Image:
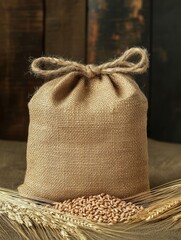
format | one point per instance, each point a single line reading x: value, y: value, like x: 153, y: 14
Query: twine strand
x: 55, y: 67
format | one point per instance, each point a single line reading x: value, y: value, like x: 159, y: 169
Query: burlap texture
x: 87, y: 134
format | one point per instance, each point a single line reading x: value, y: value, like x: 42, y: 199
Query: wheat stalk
x: 39, y: 220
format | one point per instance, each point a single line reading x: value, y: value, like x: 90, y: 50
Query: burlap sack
x: 87, y: 131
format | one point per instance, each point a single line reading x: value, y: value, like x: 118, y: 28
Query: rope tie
x: 126, y: 64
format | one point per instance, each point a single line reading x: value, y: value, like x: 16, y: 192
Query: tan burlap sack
x: 87, y: 132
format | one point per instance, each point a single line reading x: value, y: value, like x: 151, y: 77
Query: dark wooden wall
x: 114, y: 26
x: 65, y: 28
x: 21, y: 36
x: 165, y: 87
x: 90, y: 31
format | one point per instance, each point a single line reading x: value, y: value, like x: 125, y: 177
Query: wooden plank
x: 12, y: 164
x: 165, y: 107
x: 164, y: 162
x: 65, y: 28
x: 114, y: 26
x: 21, y: 25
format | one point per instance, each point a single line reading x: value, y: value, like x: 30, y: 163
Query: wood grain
x: 165, y: 113
x: 21, y: 26
x: 114, y: 26
x: 65, y: 28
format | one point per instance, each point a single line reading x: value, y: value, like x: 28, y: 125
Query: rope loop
x: 133, y: 61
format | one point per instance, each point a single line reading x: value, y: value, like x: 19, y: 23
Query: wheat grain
x: 101, y: 208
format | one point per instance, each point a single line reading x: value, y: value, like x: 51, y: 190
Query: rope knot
x: 91, y: 71
x: 133, y: 61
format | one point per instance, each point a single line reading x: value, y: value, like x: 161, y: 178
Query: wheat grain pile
x: 101, y: 208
